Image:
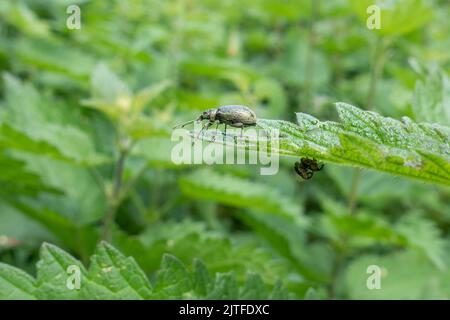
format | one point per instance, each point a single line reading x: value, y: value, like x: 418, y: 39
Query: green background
x: 75, y: 103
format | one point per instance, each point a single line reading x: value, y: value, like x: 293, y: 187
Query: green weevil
x: 237, y: 116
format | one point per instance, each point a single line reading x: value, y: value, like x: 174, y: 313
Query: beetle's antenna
x: 182, y: 125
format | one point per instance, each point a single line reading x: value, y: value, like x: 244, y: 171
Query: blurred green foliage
x: 85, y: 123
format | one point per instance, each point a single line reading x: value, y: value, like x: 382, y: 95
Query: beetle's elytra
x: 231, y: 115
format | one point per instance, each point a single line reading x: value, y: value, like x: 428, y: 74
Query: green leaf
x: 11, y: 138
x: 121, y: 276
x: 52, y: 275
x: 26, y: 20
x: 361, y: 230
x: 15, y: 284
x: 55, y: 55
x: 397, y: 17
x: 225, y: 287
x: 190, y: 241
x: 312, y: 294
x: 432, y: 98
x: 202, y: 278
x: 423, y: 234
x: 173, y: 279
x: 17, y: 179
x: 67, y: 231
x: 404, y: 275
x: 294, y: 58
x: 115, y: 99
x: 157, y: 152
x: 289, y: 240
x: 206, y: 184
x: 254, y: 288
x: 111, y: 276
x: 148, y: 94
x: 29, y: 123
x: 107, y: 86
x: 367, y: 140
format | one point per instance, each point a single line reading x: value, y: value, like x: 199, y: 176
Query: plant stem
x: 309, y: 59
x: 114, y: 199
x: 376, y: 71
x: 337, y: 266
x: 354, y: 190
x: 375, y: 74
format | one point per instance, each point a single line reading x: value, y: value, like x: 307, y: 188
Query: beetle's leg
x: 217, y: 128
x: 305, y: 162
x: 302, y: 161
x: 309, y: 175
x: 214, y: 136
x: 297, y: 168
x: 205, y: 127
x: 225, y: 132
x: 240, y: 125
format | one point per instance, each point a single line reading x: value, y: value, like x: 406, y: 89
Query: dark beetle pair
x: 306, y: 167
x: 240, y: 117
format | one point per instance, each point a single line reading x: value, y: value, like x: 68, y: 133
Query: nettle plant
x: 69, y: 172
x: 111, y: 275
x: 368, y: 140
x: 361, y: 139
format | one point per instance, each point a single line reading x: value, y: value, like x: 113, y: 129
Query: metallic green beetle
x: 232, y: 115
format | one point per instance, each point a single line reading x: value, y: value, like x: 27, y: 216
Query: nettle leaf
x: 107, y: 86
x: 404, y: 275
x: 16, y: 179
x: 54, y: 55
x: 254, y: 288
x: 111, y: 275
x: 225, y: 287
x: 173, y: 279
x: 289, y: 240
x: 395, y: 16
x: 157, y: 152
x: 115, y: 275
x: 367, y: 140
x: 190, y: 241
x: 116, y: 100
x: 206, y: 184
x: 52, y: 275
x: 431, y: 101
x: 361, y: 230
x: 28, y: 124
x: 202, y: 278
x: 15, y: 284
x: 424, y: 235
x: 148, y: 94
x: 64, y: 229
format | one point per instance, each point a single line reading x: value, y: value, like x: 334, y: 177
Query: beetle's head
x: 209, y: 114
